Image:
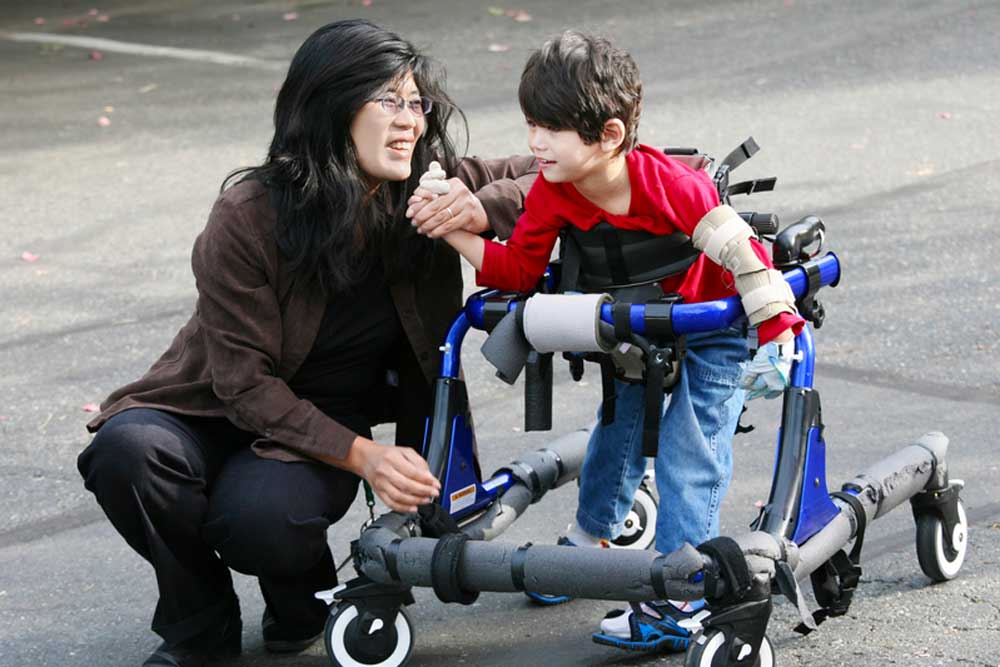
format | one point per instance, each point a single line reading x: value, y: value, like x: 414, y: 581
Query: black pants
x: 190, y: 496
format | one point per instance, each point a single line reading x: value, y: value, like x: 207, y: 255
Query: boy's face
x: 562, y: 155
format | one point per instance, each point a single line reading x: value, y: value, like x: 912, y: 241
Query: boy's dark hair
x: 579, y: 82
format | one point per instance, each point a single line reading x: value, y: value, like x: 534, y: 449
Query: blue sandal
x: 652, y: 627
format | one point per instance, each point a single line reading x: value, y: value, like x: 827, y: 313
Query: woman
x: 320, y: 308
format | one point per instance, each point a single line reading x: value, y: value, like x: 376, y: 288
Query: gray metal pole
x: 623, y: 574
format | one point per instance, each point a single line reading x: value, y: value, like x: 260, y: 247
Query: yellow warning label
x: 463, y: 498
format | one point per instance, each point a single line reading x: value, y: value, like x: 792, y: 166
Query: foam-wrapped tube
x: 565, y: 322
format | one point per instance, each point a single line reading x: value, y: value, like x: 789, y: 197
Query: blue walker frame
x: 796, y: 508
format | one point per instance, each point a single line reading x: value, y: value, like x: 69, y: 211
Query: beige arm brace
x: 725, y: 237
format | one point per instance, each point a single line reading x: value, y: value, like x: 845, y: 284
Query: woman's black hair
x: 331, y: 227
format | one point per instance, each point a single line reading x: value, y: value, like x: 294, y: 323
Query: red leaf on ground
x: 91, y: 407
x: 4, y: 418
x: 93, y: 12
x: 366, y: 3
x: 103, y: 18
x: 290, y: 16
x: 29, y: 256
x: 521, y: 16
x: 39, y: 21
x: 104, y: 121
x: 944, y: 115
x: 96, y: 55
x: 498, y: 48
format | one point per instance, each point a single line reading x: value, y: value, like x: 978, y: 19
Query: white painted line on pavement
x: 114, y: 46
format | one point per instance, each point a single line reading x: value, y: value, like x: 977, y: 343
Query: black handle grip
x: 538, y: 392
x: 790, y: 244
x: 765, y: 224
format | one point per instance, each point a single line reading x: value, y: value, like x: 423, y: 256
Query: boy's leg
x: 694, y: 463
x: 613, y: 467
x: 693, y: 470
x: 612, y: 470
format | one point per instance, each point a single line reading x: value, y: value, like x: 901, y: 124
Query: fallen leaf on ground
x: 96, y: 55
x: 495, y: 11
x: 498, y: 48
x: 109, y: 109
x: 104, y: 121
x: 366, y: 3
x: 93, y: 12
x: 148, y: 88
x: 521, y: 16
x: 29, y: 256
x: 39, y: 20
x: 944, y: 115
x: 4, y: 418
x: 91, y: 407
x: 290, y: 16
x: 103, y: 18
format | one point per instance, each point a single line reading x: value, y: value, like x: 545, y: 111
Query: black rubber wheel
x: 707, y: 649
x: 938, y: 560
x: 348, y: 644
x: 640, y: 524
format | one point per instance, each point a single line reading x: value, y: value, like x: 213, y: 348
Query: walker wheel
x: 707, y: 649
x: 640, y: 524
x: 357, y: 638
x: 939, y: 560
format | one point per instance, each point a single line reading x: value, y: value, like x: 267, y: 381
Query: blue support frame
x: 799, y: 505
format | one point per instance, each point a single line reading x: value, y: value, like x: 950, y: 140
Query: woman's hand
x: 435, y: 215
x: 399, y: 475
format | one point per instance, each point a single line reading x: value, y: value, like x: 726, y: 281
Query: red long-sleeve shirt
x: 667, y: 196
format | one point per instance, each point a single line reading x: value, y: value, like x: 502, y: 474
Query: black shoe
x: 223, y: 642
x: 286, y: 638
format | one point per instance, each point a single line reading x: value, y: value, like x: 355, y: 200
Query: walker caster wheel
x: 708, y: 649
x: 356, y: 637
x: 939, y: 559
x: 640, y: 524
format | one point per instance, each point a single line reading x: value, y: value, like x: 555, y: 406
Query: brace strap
x: 444, y: 569
x: 729, y: 581
x: 835, y: 581
x: 719, y: 233
x: 762, y: 303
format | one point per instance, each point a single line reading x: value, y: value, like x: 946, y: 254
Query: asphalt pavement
x: 882, y: 118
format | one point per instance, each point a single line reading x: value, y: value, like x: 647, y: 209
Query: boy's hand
x: 768, y: 373
x: 440, y: 206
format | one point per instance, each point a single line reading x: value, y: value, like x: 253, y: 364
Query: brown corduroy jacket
x: 255, y: 322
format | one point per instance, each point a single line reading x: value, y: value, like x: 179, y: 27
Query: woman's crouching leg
x: 149, y: 470
x: 269, y: 519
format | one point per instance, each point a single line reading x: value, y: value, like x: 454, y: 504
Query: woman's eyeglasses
x: 393, y: 104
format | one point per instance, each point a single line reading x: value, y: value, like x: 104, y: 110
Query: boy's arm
x: 468, y: 245
x: 726, y: 239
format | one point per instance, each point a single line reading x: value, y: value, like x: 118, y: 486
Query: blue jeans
x: 694, y: 463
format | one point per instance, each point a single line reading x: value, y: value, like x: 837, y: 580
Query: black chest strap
x: 605, y: 257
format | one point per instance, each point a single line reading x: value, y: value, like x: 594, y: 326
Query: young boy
x: 582, y: 100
